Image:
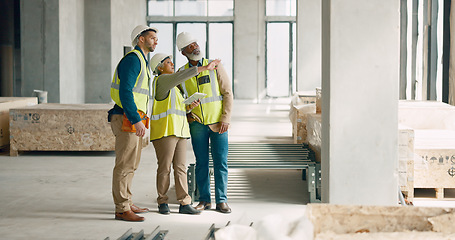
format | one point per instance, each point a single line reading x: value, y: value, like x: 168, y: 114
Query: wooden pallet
x: 435, y: 193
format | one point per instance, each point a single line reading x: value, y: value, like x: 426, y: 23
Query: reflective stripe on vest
x: 168, y: 117
x: 141, y: 87
x: 211, y: 107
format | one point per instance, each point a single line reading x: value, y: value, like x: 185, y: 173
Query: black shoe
x: 188, y: 209
x: 163, y: 208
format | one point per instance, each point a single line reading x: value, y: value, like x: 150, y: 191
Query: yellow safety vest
x: 168, y: 116
x: 211, y: 107
x: 141, y: 88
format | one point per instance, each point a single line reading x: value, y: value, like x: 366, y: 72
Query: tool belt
x: 128, y: 127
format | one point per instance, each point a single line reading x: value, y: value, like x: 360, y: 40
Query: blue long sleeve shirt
x: 128, y: 70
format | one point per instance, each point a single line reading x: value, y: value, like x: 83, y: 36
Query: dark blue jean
x: 201, y: 137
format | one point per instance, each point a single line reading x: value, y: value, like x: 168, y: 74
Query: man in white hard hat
x: 128, y: 117
x: 209, y: 123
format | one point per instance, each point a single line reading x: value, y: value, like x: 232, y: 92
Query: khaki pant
x: 171, y: 151
x: 128, y: 149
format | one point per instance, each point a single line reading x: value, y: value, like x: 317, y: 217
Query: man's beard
x: 195, y: 55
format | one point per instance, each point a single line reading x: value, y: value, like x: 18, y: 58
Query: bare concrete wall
x: 108, y: 25
x: 129, y: 14
x: 249, y: 49
x: 71, y: 48
x: 98, y: 70
x: 72, y: 51
x: 40, y: 47
x: 6, y: 47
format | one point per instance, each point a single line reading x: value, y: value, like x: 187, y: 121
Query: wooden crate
x: 62, y: 127
x: 306, y: 98
x: 426, y: 114
x: 314, y: 128
x: 434, y: 160
x: 298, y: 116
x: 303, y: 97
x: 406, y: 161
x: 6, y: 103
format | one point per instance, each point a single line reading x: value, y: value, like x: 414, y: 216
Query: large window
x: 281, y: 7
x: 198, y: 30
x: 190, y: 8
x: 280, y: 50
x: 209, y: 21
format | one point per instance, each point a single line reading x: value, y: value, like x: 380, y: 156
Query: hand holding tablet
x: 194, y: 97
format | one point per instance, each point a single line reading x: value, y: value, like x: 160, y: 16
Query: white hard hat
x: 138, y: 30
x: 156, y: 60
x: 184, y: 39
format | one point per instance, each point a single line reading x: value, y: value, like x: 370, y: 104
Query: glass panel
x: 198, y: 30
x: 278, y: 59
x: 160, y: 8
x: 221, y: 7
x: 190, y: 7
x: 165, y: 43
x: 220, y: 44
x: 281, y: 7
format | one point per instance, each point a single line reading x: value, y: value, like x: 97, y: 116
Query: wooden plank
x: 439, y: 193
x: 349, y: 219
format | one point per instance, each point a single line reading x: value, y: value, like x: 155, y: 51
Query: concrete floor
x: 66, y: 195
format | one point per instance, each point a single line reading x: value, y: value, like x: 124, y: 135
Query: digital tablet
x: 194, y: 97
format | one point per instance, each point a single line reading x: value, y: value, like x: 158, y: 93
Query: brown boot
x: 223, y: 207
x: 129, y: 216
x: 137, y: 209
x: 203, y: 206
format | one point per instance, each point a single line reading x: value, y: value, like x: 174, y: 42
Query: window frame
x: 292, y: 21
x: 195, y: 19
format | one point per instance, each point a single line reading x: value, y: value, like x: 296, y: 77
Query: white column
x: 308, y: 45
x: 249, y: 49
x: 360, y: 79
x: 71, y: 55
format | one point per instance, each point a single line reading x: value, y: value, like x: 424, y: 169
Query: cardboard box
x: 62, y: 127
x: 6, y: 103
